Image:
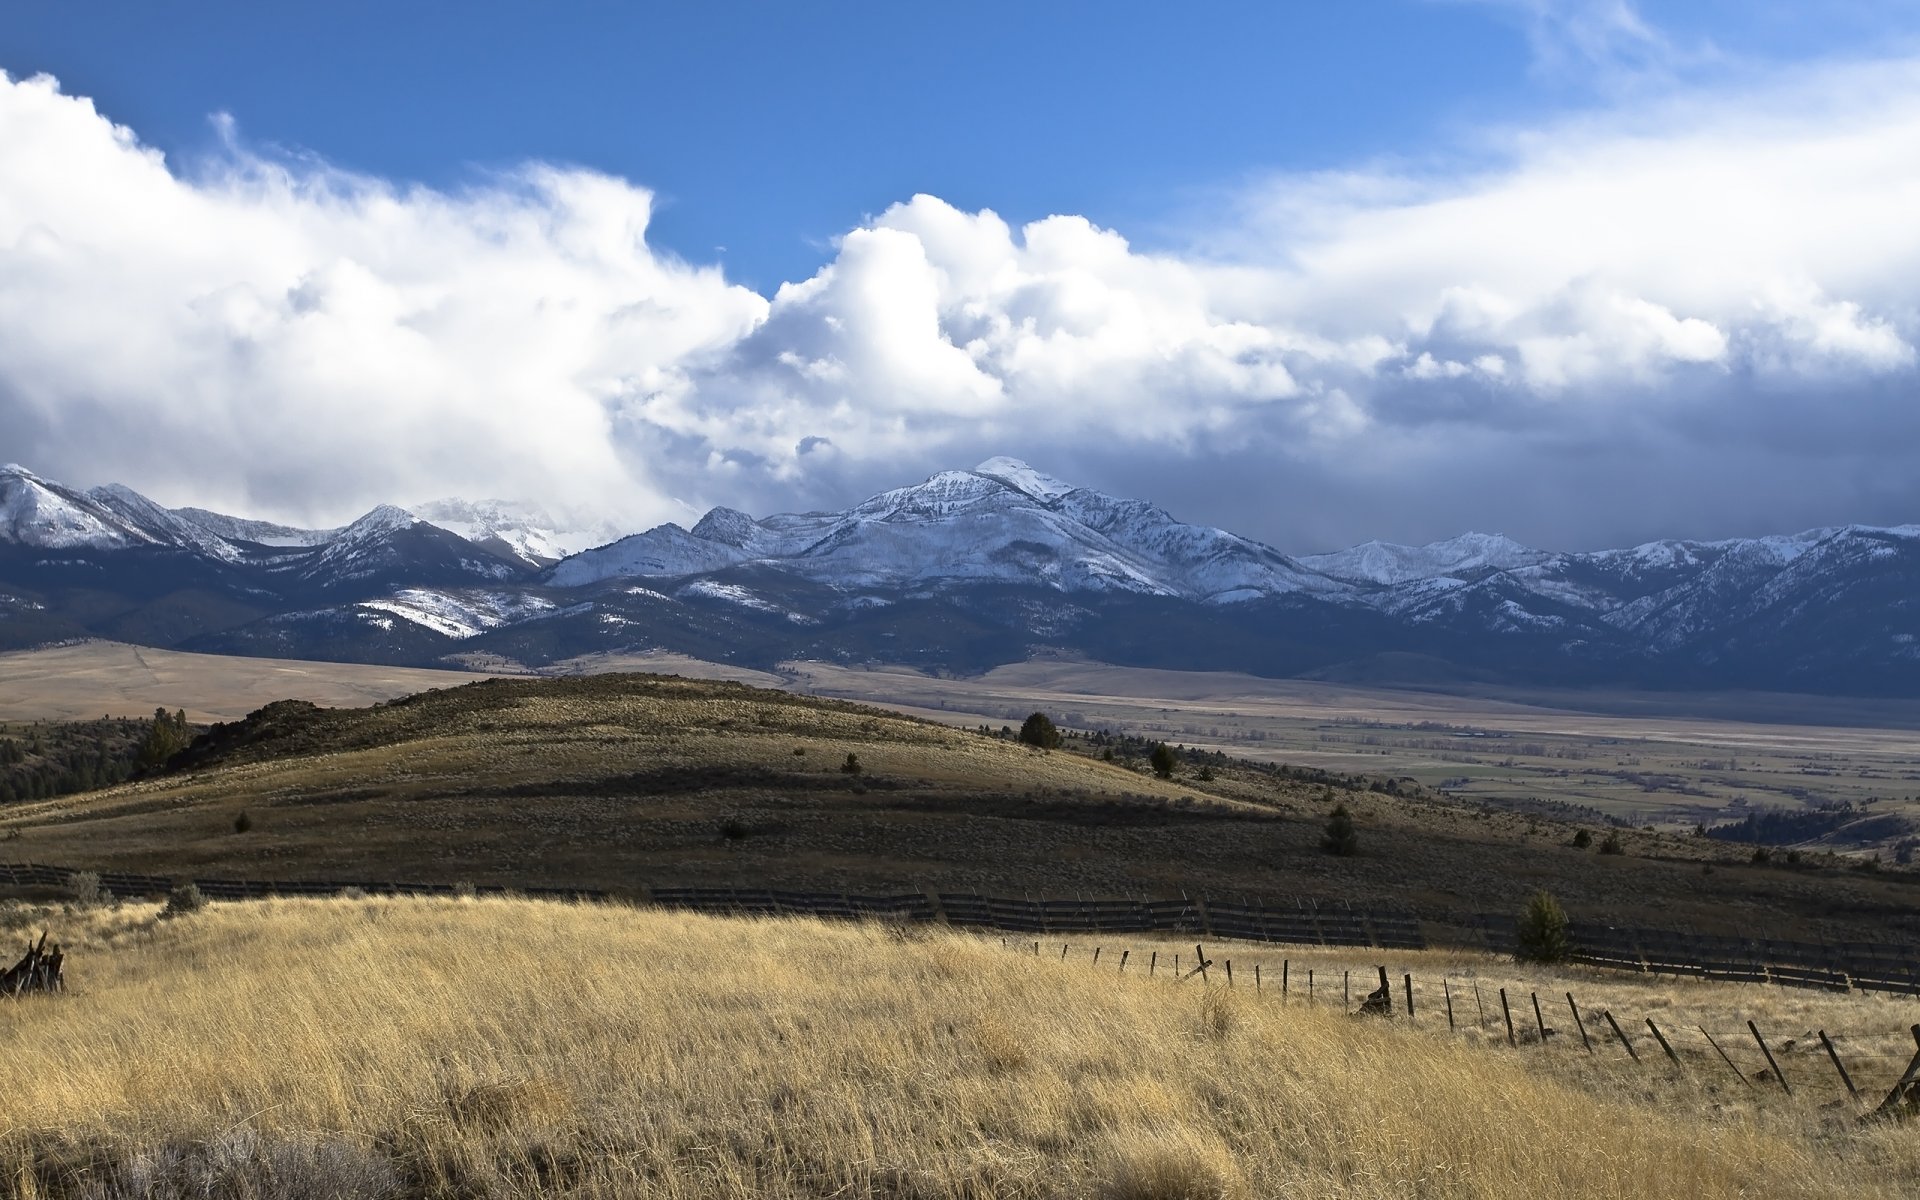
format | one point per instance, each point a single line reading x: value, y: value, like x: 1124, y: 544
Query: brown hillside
x: 637, y: 781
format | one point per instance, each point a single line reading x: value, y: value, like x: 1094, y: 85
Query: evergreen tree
x: 167, y: 737
x: 1163, y: 760
x: 1542, y: 933
x: 1340, y: 837
x: 1039, y: 730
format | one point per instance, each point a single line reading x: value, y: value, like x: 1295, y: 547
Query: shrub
x: 1542, y: 933
x: 733, y: 829
x: 1039, y: 730
x: 1582, y: 839
x: 1340, y: 837
x: 1205, y: 775
x: 1613, y: 844
x: 852, y: 765
x: 1163, y: 760
x: 464, y: 889
x: 83, y: 887
x: 1762, y: 856
x: 183, y: 899
x: 243, y: 822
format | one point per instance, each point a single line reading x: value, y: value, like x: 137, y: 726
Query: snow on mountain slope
x: 1002, y: 523
x: 260, y: 533
x: 38, y: 512
x: 391, y: 543
x: 523, y: 530
x: 1389, y: 564
x: 163, y: 524
x: 1016, y: 474
x: 461, y: 614
x: 663, y: 550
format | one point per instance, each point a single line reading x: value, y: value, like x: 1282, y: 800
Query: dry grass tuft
x: 1162, y: 1163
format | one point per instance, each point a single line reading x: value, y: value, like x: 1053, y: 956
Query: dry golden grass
x: 1872, y: 1032
x: 494, y: 1047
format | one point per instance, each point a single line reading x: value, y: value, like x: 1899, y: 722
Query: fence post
x: 1063, y: 952
x: 1662, y: 1039
x: 1579, y: 1024
x: 1036, y: 949
x: 1285, y: 983
x: 1229, y: 972
x: 1409, y: 983
x: 1620, y: 1033
x: 1096, y: 956
x: 1839, y: 1066
x: 1479, y: 1003
x: 1124, y: 955
x: 1738, y: 1074
x: 1784, y: 1086
x: 1448, y: 993
x: 1904, y: 1088
x: 1200, y: 961
x: 1256, y: 977
x: 1309, y: 985
x: 1346, y: 992
x: 1539, y: 1022
x: 1508, y: 1013
x: 1153, y: 964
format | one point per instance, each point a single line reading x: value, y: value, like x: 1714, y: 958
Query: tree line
x: 44, y: 759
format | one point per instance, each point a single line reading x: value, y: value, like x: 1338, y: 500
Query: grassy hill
x: 496, y: 1047
x: 636, y: 781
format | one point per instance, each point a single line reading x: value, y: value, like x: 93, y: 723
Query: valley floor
x: 502, y: 1047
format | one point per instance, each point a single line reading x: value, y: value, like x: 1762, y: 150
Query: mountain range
x: 961, y: 572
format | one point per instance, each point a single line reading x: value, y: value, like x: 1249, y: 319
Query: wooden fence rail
x: 1836, y: 966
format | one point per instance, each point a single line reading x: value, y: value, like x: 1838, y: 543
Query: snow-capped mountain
x: 1387, y: 563
x: 963, y: 570
x: 260, y: 533
x: 36, y: 512
x: 525, y: 531
x: 1002, y: 522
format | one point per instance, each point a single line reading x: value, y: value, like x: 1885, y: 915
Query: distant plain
x: 1671, y: 760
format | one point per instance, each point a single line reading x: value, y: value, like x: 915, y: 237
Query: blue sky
x: 1378, y: 244
x: 770, y: 128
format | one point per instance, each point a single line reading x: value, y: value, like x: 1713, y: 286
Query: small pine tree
x: 1163, y: 760
x: 852, y: 765
x: 1039, y: 730
x: 1542, y: 933
x: 243, y: 822
x: 1613, y: 844
x: 1340, y: 837
x: 1582, y: 839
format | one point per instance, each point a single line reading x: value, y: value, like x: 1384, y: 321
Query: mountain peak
x: 381, y: 519
x: 1021, y: 477
x: 728, y: 526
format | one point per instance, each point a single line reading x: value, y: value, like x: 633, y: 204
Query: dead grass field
x: 1671, y: 760
x: 91, y: 679
x: 499, y: 1047
x: 1871, y: 1031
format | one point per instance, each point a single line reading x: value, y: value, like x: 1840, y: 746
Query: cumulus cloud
x: 1692, y: 315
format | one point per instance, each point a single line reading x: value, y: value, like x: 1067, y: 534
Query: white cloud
x: 291, y: 339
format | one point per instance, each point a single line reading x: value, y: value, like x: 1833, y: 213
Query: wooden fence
x: 1833, y: 966
x: 1838, y: 966
x: 1877, y: 1072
